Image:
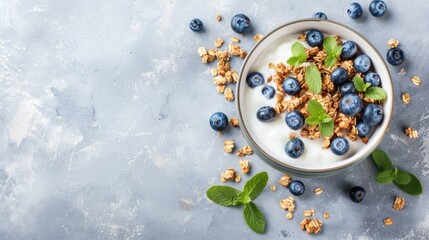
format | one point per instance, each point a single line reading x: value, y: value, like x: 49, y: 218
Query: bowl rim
x: 270, y: 160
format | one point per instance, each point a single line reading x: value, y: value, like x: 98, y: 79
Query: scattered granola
x: 235, y: 39
x: 218, y: 17
x: 273, y: 188
x: 235, y: 50
x: 318, y: 191
x: 219, y: 42
x: 309, y: 213
x: 406, y: 98
x: 228, y: 94
x: 302, y: 37
x: 288, y: 204
x: 292, y: 135
x: 233, y: 122
x: 257, y: 37
x: 237, y: 178
x: 402, y: 72
x: 246, y: 150
x: 326, y: 215
x: 228, y: 145
x: 416, y: 80
x: 285, y: 180
x: 228, y: 175
x: 311, y: 226
x: 388, y: 221
x: 289, y: 215
x: 245, y: 166
x: 214, y: 72
x: 220, y: 89
x: 393, y: 43
x: 399, y: 203
x: 411, y: 132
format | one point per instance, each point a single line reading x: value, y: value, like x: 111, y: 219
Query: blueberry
x: 372, y: 78
x: 347, y: 87
x: 266, y: 114
x: 395, y: 56
x: 294, y: 148
x: 268, y: 92
x: 355, y: 10
x: 339, y: 75
x: 351, y: 104
x: 296, y: 187
x: 372, y: 114
x: 240, y: 23
x: 295, y: 120
x: 314, y: 38
x: 377, y: 8
x: 218, y: 121
x: 255, y: 79
x: 196, y: 25
x: 362, y: 63
x: 357, y: 194
x: 340, y: 146
x: 291, y: 86
x: 363, y: 128
x: 349, y: 50
x: 320, y: 15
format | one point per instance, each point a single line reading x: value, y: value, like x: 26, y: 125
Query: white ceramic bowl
x: 295, y: 166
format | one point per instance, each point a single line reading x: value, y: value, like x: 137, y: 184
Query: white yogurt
x: 273, y: 136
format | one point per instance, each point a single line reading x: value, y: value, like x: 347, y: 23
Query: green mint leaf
x: 367, y: 85
x: 313, y: 79
x: 330, y: 60
x: 359, y: 84
x: 414, y: 187
x: 255, y: 185
x: 243, y: 198
x: 298, y: 49
x: 384, y: 177
x: 295, y: 61
x: 327, y: 119
x: 402, y: 177
x: 315, y: 108
x: 381, y: 160
x: 329, y: 44
x: 254, y: 218
x: 327, y: 128
x: 312, y: 120
x: 223, y: 195
x: 338, y: 50
x: 376, y: 93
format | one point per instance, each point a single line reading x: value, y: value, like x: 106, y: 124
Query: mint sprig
x: 318, y: 116
x: 374, y: 93
x: 332, y: 50
x: 405, y: 181
x: 313, y: 79
x: 299, y: 55
x: 229, y: 196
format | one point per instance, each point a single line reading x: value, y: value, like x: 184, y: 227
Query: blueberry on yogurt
x: 372, y: 78
x: 314, y: 38
x: 372, y: 114
x: 295, y: 120
x: 268, y: 92
x: 294, y: 148
x: 340, y: 146
x: 339, y: 75
x: 362, y: 63
x: 363, y: 128
x: 347, y: 87
x: 349, y: 50
x: 255, y: 79
x: 291, y: 86
x: 351, y: 104
x: 266, y: 114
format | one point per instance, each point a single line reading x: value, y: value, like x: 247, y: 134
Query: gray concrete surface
x: 104, y: 108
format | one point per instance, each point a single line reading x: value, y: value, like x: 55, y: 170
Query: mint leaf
x: 243, y: 198
x: 329, y: 44
x: 338, y: 50
x: 384, y: 177
x: 312, y: 120
x: 315, y: 108
x: 376, y: 93
x: 298, y: 49
x: 327, y: 128
x: 327, y: 119
x: 381, y: 160
x: 313, y: 79
x: 295, y: 61
x: 299, y: 55
x: 255, y: 185
x: 254, y: 218
x: 330, y: 61
x: 223, y: 195
x: 414, y: 187
x: 402, y: 177
x: 359, y: 84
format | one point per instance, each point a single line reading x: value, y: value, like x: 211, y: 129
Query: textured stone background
x: 104, y: 134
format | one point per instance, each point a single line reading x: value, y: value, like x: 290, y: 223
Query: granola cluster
x: 230, y: 175
x: 288, y: 204
x: 399, y: 203
x: 311, y: 226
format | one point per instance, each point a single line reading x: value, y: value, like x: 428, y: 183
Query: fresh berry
x: 377, y: 8
x: 372, y: 78
x: 320, y: 15
x: 349, y: 50
x: 266, y: 114
x: 372, y: 114
x: 314, y: 38
x: 347, y: 87
x: 240, y: 23
x: 294, y: 148
x: 363, y: 128
x: 196, y: 25
x: 255, y: 79
x: 339, y: 75
x: 295, y: 120
x: 395, y: 56
x: 268, y: 92
x: 362, y: 63
x: 357, y: 194
x: 340, y: 146
x: 296, y: 187
x: 291, y: 86
x: 355, y: 10
x: 218, y: 121
x: 351, y: 104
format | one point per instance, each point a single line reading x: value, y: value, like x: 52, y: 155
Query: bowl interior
x: 293, y: 29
